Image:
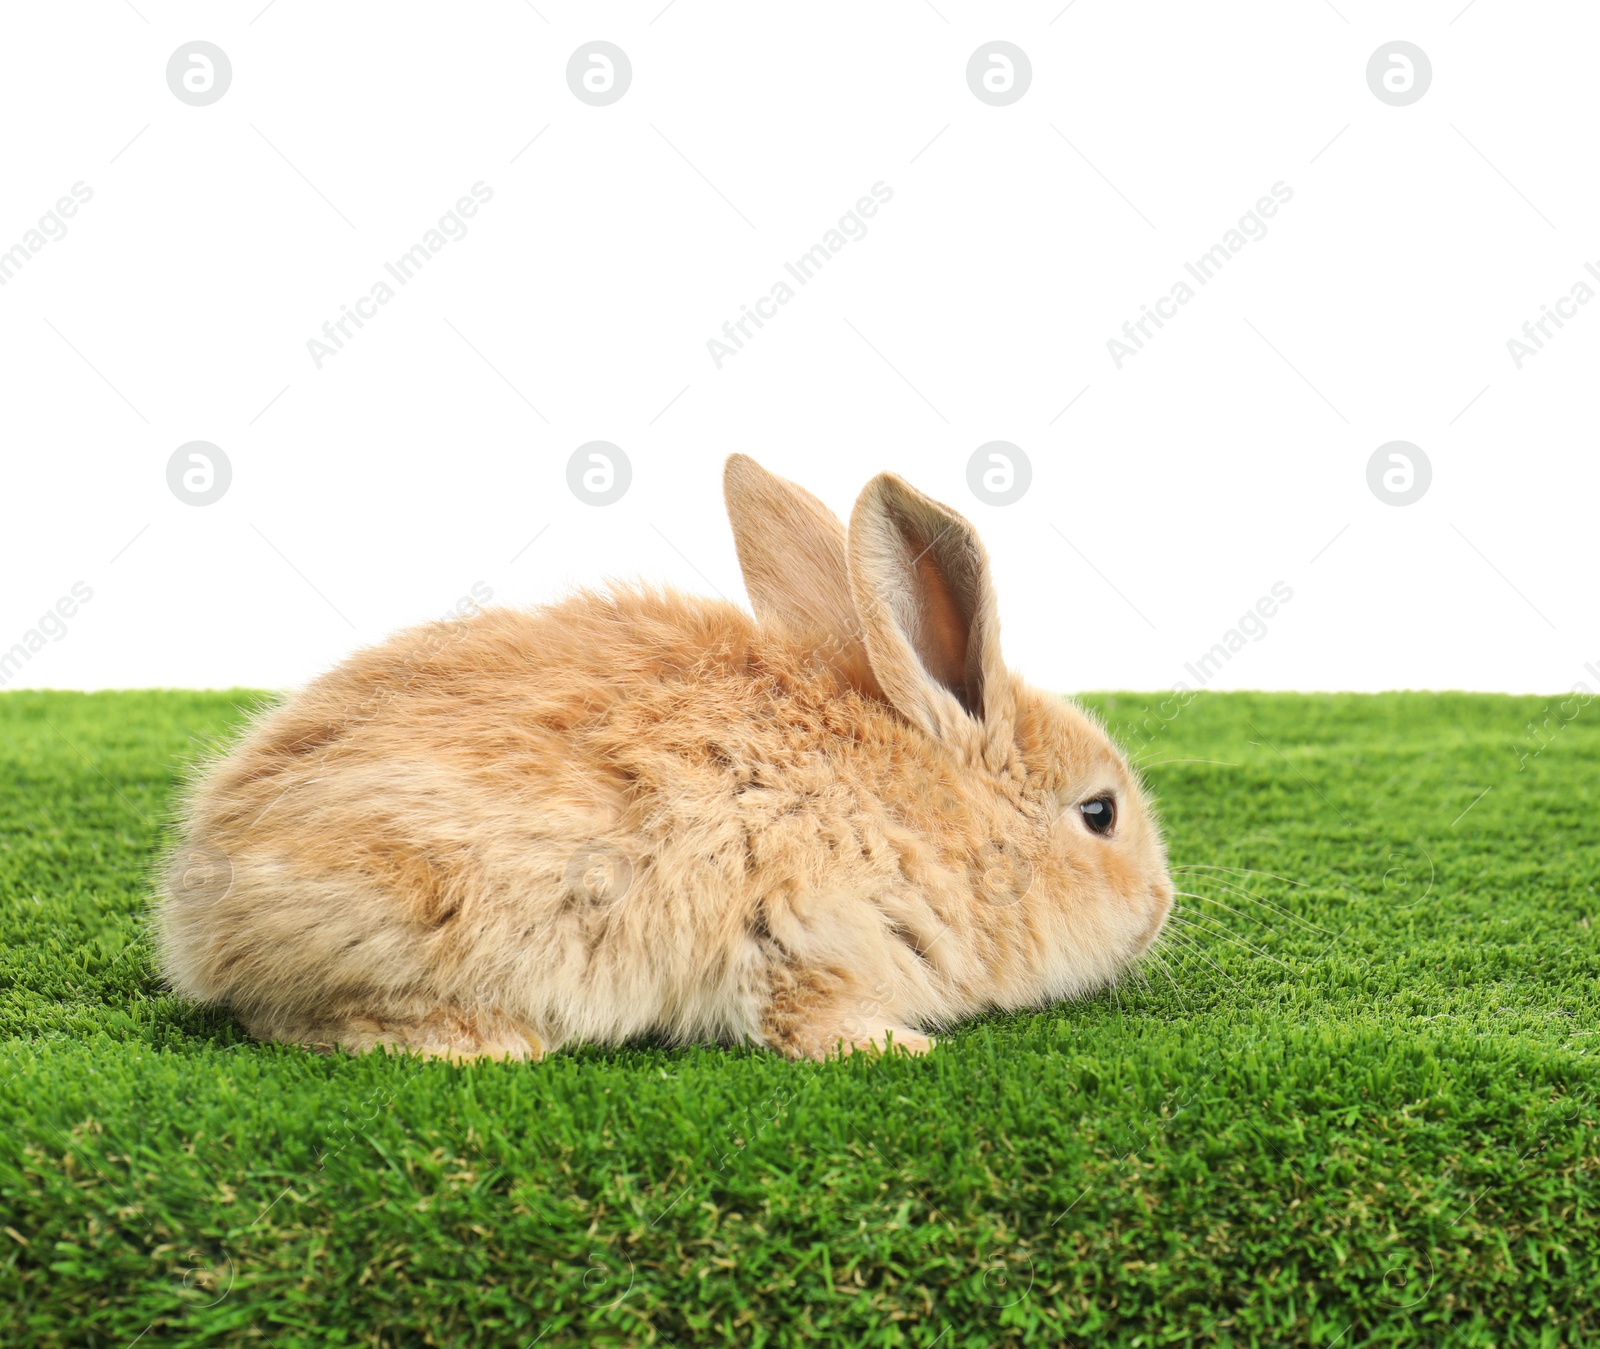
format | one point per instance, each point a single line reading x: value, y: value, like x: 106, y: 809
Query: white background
x: 1166, y: 499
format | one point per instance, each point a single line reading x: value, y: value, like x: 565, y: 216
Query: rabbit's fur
x: 641, y: 812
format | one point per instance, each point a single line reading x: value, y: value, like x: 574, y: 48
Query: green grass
x: 1365, y: 1115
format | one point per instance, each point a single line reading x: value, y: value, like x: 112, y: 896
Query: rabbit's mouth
x: 1160, y: 907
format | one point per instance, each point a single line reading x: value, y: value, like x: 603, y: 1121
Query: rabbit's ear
x: 792, y: 552
x: 920, y: 580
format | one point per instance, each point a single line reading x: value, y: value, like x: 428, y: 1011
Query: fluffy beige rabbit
x: 641, y: 812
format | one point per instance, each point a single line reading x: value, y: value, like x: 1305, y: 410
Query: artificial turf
x: 1362, y: 1109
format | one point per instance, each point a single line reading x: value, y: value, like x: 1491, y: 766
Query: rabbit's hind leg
x: 441, y: 1033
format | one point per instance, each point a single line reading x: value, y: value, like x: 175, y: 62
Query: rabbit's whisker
x: 1160, y: 962
x: 1247, y: 915
x: 1254, y: 898
x: 1248, y: 871
x: 1196, y: 919
x: 1189, y: 947
x: 1162, y: 763
x: 1237, y: 913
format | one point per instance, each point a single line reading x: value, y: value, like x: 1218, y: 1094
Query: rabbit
x: 836, y: 827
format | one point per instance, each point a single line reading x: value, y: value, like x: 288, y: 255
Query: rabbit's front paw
x: 816, y: 1014
x: 822, y: 1042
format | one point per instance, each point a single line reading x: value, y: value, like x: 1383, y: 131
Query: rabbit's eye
x: 1099, y: 814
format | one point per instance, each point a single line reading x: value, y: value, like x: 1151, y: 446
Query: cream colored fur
x: 642, y: 813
